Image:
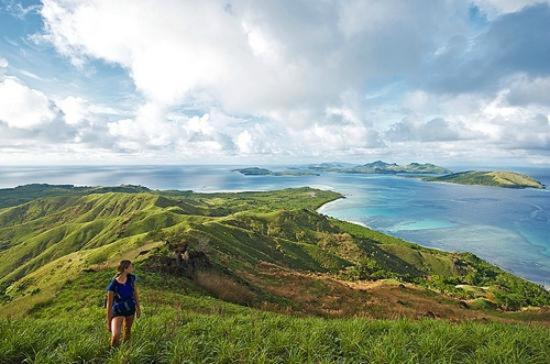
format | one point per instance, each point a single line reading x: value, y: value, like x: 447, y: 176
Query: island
x: 380, y: 167
x: 505, y: 179
x: 256, y: 171
x: 377, y: 167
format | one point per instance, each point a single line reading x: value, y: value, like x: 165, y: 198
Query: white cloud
x: 23, y: 107
x: 245, y: 142
x: 299, y: 78
x: 19, y: 10
x: 74, y: 109
x: 523, y: 90
x: 494, y: 8
x: 256, y: 57
x: 435, y: 130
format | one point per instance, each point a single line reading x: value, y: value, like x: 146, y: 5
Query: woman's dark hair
x: 122, y: 266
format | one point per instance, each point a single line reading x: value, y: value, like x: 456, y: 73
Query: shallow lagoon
x: 508, y: 227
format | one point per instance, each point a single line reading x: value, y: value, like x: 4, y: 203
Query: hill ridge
x: 229, y: 237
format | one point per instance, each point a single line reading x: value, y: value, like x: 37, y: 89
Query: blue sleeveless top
x: 124, y: 290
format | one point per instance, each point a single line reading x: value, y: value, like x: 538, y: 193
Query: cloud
x: 514, y: 43
x: 498, y: 7
x: 17, y: 9
x: 296, y: 79
x: 78, y: 110
x: 23, y: 107
x: 38, y: 123
x: 74, y: 109
x: 259, y: 57
x: 435, y: 130
x: 524, y: 90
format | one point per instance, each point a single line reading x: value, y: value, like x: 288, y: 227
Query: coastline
x: 320, y: 210
x: 324, y: 206
x: 321, y: 207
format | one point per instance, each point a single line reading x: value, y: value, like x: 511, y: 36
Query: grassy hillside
x: 211, y: 264
x: 494, y: 178
x: 181, y: 323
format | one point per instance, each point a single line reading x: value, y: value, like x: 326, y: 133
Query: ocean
x: 507, y: 227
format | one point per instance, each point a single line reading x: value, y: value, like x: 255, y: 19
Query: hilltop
x: 492, y: 178
x: 258, y: 241
x: 216, y: 261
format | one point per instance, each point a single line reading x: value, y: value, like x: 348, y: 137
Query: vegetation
x: 493, y: 178
x: 181, y: 325
x: 380, y: 167
x: 377, y: 167
x: 250, y: 276
x: 21, y: 194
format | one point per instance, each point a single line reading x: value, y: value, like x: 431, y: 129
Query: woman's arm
x: 110, y: 295
x: 138, y: 306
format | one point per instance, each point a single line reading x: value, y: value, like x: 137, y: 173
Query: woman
x: 122, y: 302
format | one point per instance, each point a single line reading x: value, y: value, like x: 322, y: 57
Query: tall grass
x: 169, y: 335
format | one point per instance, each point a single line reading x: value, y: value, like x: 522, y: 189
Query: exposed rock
x: 185, y: 261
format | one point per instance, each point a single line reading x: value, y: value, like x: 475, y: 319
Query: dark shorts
x: 124, y: 308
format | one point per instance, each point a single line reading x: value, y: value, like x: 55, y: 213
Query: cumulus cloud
x: 301, y: 78
x: 259, y: 57
x: 524, y: 90
x: 431, y: 131
x: 23, y: 107
x: 34, y: 122
x: 494, y: 8
x: 75, y: 109
x: 514, y: 43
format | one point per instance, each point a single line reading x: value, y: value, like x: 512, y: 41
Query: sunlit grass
x: 176, y: 336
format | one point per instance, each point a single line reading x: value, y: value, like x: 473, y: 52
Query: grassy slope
x: 494, y: 178
x: 182, y: 324
x: 269, y: 250
x: 48, y: 237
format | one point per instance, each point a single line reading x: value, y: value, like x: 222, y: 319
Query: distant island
x: 256, y: 171
x: 425, y: 171
x: 489, y: 178
x: 378, y: 167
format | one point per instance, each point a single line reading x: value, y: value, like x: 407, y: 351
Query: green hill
x: 493, y: 178
x: 380, y: 167
x: 214, y: 263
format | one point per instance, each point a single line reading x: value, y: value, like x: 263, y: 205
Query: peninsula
x: 505, y: 179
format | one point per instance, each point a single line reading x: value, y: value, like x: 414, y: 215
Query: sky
x: 275, y: 82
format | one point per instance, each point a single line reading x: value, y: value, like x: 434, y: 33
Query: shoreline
x: 322, y: 208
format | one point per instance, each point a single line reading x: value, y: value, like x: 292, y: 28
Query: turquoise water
x: 510, y: 228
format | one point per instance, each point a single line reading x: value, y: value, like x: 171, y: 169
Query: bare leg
x: 128, y: 321
x: 116, y: 323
